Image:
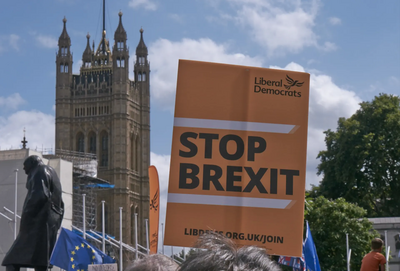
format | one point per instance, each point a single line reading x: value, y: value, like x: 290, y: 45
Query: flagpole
x: 347, y: 252
x: 103, y: 228
x: 120, y: 238
x: 147, y: 236
x: 84, y: 215
x: 162, y: 239
x: 16, y: 202
x: 136, y: 236
x: 387, y: 252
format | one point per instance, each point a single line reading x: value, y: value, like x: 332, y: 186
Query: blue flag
x: 73, y: 253
x: 310, y: 252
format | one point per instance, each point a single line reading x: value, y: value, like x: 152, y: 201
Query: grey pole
x: 84, y: 215
x: 16, y: 202
x: 103, y: 228
x: 136, y: 234
x: 387, y: 252
x: 120, y: 239
x: 347, y: 254
x: 162, y: 238
x: 147, y: 236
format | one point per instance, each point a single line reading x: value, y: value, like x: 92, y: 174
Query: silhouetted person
x: 219, y: 253
x: 41, y: 218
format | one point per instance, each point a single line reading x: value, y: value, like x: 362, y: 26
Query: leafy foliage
x: 329, y: 222
x: 362, y: 159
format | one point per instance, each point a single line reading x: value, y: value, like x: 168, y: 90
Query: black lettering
x: 250, y: 237
x: 184, y: 175
x: 186, y: 233
x: 257, y: 88
x: 252, y: 149
x: 270, y: 239
x: 235, y: 235
x: 241, y: 236
x: 257, y: 237
x: 208, y: 143
x: 190, y: 145
x: 273, y: 187
x: 228, y: 234
x: 208, y: 178
x: 195, y: 232
x: 289, y: 179
x: 279, y: 239
x: 255, y: 180
x: 223, y: 147
x: 231, y: 178
x: 201, y: 232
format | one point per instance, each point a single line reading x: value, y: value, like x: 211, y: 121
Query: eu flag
x: 310, y: 252
x: 73, y: 253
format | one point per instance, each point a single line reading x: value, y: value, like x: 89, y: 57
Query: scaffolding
x: 85, y: 182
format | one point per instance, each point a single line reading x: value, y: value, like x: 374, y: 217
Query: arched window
x: 104, y: 149
x: 120, y: 45
x: 139, y: 77
x: 80, y: 142
x: 133, y: 152
x: 92, y: 142
x: 66, y: 68
x: 141, y: 60
x: 118, y: 62
x: 123, y: 63
x: 144, y: 76
x: 62, y: 67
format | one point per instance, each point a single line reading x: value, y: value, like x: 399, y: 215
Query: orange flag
x: 154, y: 214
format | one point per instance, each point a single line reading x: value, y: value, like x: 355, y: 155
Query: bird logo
x: 292, y: 83
x: 154, y: 202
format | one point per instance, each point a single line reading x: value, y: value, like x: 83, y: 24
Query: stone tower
x: 101, y: 111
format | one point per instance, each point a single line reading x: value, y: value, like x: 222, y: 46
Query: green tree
x: 329, y: 221
x: 362, y: 161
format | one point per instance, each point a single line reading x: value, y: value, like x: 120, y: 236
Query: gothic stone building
x: 101, y: 111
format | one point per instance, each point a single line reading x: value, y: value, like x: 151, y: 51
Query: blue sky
x: 350, y: 48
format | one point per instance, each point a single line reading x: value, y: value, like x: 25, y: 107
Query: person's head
x: 155, y: 262
x: 376, y: 244
x: 220, y: 253
x: 31, y: 162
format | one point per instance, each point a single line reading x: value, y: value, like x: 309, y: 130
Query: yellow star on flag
x: 88, y: 246
x: 73, y: 266
x: 82, y: 245
x: 93, y: 257
x: 93, y: 250
x: 73, y: 252
x: 72, y: 259
x: 77, y: 248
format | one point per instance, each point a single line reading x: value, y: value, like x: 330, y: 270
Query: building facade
x: 101, y: 111
x: 389, y: 227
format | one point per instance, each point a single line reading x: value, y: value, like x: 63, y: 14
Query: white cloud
x: 165, y: 55
x: 328, y: 102
x: 146, y: 4
x: 11, y: 102
x: 328, y: 46
x: 176, y: 17
x: 40, y: 130
x: 47, y: 41
x: 279, y: 26
x: 9, y: 42
x: 335, y: 21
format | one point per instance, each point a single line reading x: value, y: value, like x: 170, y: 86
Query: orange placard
x: 238, y: 159
x: 154, y: 213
